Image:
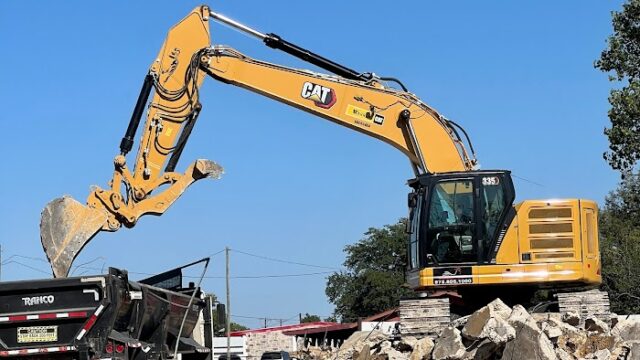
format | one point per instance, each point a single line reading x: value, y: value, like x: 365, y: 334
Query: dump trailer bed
x: 97, y: 317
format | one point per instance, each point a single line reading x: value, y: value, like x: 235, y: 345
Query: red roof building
x: 287, y: 328
x: 343, y: 331
x: 321, y: 332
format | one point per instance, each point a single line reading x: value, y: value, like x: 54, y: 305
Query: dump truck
x: 104, y: 316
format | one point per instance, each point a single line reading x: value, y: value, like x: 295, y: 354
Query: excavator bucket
x: 66, y: 226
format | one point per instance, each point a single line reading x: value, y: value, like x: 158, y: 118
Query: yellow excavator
x: 464, y: 230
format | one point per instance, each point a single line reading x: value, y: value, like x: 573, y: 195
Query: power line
x: 24, y: 257
x: 262, y: 318
x: 261, y: 276
x: 527, y: 180
x: 215, y: 253
x: 84, y: 264
x: 291, y: 318
x: 27, y: 266
x: 232, y: 277
x: 280, y: 275
x: 267, y: 319
x: 284, y: 261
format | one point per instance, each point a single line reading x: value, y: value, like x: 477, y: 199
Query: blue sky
x: 517, y: 75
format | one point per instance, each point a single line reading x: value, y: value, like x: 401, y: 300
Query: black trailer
x: 100, y: 317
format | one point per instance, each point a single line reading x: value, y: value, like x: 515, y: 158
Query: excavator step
x: 424, y: 317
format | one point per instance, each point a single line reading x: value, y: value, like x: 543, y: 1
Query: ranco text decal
x: 37, y: 300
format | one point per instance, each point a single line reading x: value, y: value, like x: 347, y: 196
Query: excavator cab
x: 458, y: 218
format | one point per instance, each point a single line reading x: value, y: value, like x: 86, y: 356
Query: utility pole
x: 226, y: 250
x: 209, y: 332
x: 299, y: 318
x: 265, y: 322
x: 0, y: 261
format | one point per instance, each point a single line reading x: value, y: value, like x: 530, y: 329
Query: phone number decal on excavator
x: 452, y: 276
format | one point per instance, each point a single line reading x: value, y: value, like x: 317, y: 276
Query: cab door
x: 450, y: 236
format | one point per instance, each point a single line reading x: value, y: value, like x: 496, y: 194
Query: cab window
x: 450, y: 236
x: 414, y: 230
x: 494, y: 204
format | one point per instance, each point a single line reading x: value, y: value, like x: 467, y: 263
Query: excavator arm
x: 358, y: 101
x: 66, y: 226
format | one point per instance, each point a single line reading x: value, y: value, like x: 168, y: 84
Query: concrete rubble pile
x: 497, y: 331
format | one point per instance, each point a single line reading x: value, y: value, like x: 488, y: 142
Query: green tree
x: 373, y: 278
x: 620, y: 218
x: 237, y: 327
x: 308, y: 318
x: 621, y: 59
x: 620, y: 246
x: 219, y: 325
x: 332, y: 318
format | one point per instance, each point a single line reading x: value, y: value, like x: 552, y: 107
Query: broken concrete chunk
x: 594, y: 324
x: 530, y: 342
x: 619, y: 351
x: 552, y: 332
x: 406, y: 344
x: 572, y: 343
x: 563, y: 355
x: 540, y: 317
x: 564, y: 327
x: 502, y: 332
x: 603, y: 354
x: 571, y: 318
x: 490, y: 323
x: 599, y: 355
x: 627, y: 330
x: 449, y: 345
x: 422, y: 349
x: 519, y: 311
x: 483, y: 350
x: 460, y: 322
x: 363, y: 354
x: 519, y: 315
x: 393, y: 354
x: 596, y: 342
x: 499, y: 308
x: 633, y: 350
x: 357, y: 341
